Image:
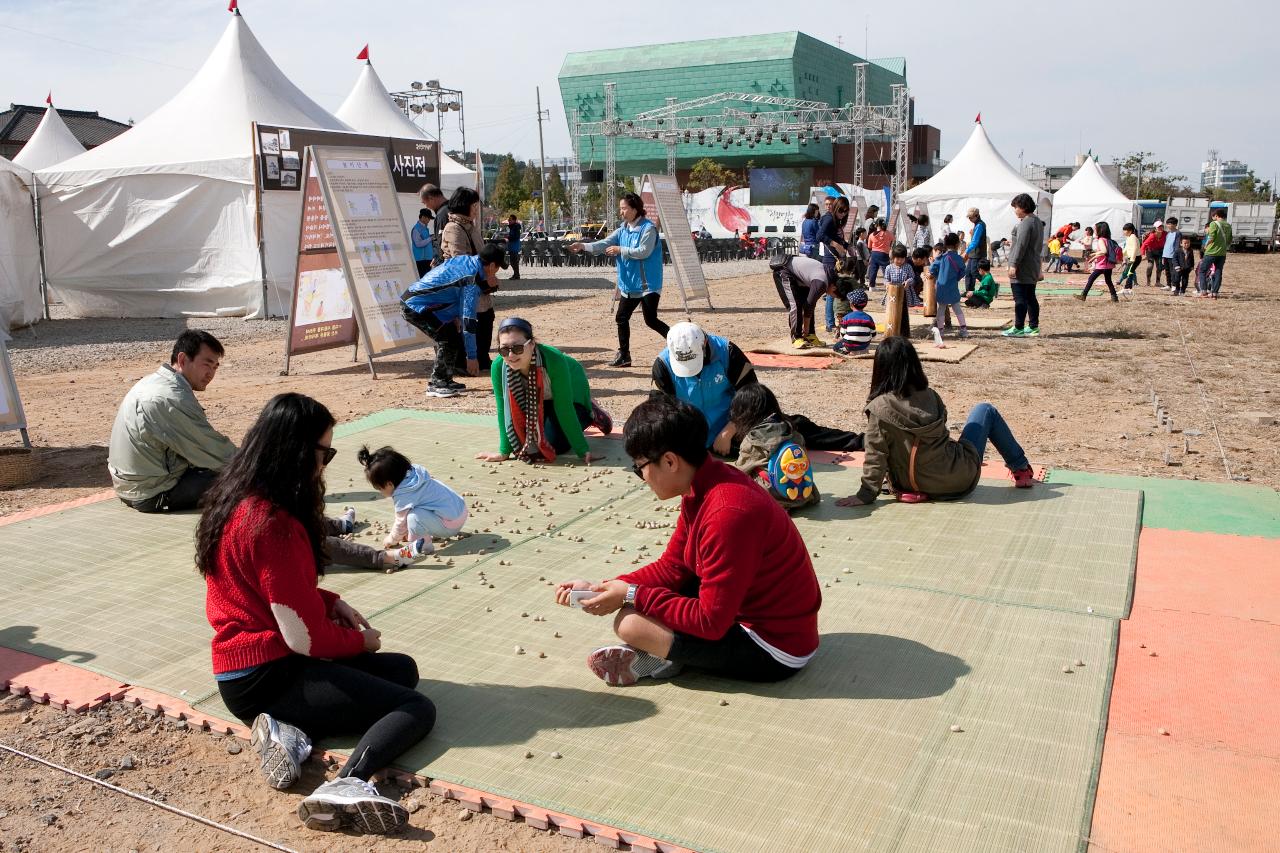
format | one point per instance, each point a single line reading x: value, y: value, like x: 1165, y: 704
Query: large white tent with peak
x: 1089, y: 197
x: 51, y: 143
x: 369, y: 109
x: 161, y: 221
x: 976, y: 177
x: 20, y: 303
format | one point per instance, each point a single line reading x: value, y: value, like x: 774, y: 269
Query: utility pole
x: 542, y: 154
x: 1137, y: 189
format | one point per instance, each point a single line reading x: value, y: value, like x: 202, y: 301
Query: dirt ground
x: 1080, y: 397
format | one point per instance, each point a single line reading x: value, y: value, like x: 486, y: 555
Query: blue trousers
x: 984, y: 423
x: 1210, y: 283
x: 879, y: 260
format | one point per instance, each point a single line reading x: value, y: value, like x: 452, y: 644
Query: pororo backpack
x: 790, y: 475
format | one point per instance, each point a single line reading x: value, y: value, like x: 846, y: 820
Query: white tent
x: 976, y: 177
x: 160, y: 221
x: 52, y: 143
x: 20, y: 302
x: 370, y: 110
x: 1089, y: 197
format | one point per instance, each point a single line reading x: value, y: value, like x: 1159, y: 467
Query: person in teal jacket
x: 543, y: 399
x: 638, y: 251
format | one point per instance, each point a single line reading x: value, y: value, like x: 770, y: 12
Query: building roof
x: 20, y: 121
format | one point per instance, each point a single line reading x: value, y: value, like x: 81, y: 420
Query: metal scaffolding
x: 675, y: 124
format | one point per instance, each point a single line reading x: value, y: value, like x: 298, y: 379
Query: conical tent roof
x: 52, y: 143
x: 369, y: 109
x: 977, y: 170
x: 1089, y: 184
x: 208, y: 120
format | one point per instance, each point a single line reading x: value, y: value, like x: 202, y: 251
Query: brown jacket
x: 461, y: 236
x: 907, y: 441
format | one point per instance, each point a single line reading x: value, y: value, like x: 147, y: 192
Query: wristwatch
x: 629, y: 600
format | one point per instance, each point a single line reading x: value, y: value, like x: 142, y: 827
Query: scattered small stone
x: 412, y: 806
x: 488, y: 610
x: 50, y: 819
x: 519, y: 650
x: 104, y: 773
x: 556, y: 635
x: 1142, y: 645
x: 234, y: 747
x: 528, y: 753
x: 1079, y: 662
x: 182, y: 725
x: 1067, y: 669
x: 1089, y: 609
x: 524, y: 615
x: 455, y: 586
x: 465, y: 814
x: 1151, y: 654
x: 724, y: 702
x: 1162, y: 731
x: 846, y: 571
x: 542, y: 654
x: 556, y: 755
x: 956, y: 728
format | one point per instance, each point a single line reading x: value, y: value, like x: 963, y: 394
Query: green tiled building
x: 788, y: 65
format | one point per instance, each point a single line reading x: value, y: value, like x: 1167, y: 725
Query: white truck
x: 1253, y: 225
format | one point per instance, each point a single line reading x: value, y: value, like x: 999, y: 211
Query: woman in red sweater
x: 734, y: 593
x: 296, y: 660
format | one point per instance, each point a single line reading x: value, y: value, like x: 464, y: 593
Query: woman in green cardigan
x: 544, y: 403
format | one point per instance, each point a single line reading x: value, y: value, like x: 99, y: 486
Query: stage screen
x: 780, y: 186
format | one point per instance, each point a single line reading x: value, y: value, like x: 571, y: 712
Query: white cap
x: 686, y: 344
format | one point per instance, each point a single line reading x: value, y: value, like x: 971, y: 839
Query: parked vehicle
x: 1253, y: 226
x: 1152, y: 212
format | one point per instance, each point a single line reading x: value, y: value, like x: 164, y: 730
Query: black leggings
x: 1026, y: 307
x: 649, y: 307
x: 373, y: 695
x: 1106, y: 276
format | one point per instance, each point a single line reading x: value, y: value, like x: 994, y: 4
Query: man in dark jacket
x: 1024, y: 268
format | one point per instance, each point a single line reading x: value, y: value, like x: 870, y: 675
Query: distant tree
x: 508, y: 191
x: 1155, y: 182
x: 707, y: 173
x: 1248, y: 188
x: 556, y: 194
x: 532, y: 178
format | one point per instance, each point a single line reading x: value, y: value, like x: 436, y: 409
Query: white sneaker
x: 409, y: 553
x: 281, y: 750
x: 622, y: 665
x: 348, y: 519
x: 348, y: 801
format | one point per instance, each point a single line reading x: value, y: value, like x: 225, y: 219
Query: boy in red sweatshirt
x: 734, y: 593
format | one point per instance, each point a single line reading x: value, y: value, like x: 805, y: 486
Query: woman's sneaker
x: 622, y: 665
x: 601, y: 419
x: 281, y: 750
x: 620, y: 359
x: 1014, y: 332
x: 348, y: 801
x: 1023, y: 477
x: 347, y: 520
x: 441, y: 389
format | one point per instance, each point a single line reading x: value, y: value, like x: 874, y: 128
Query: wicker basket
x: 18, y: 466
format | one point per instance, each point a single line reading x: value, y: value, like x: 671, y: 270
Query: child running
x: 1132, y: 257
x: 772, y: 450
x: 425, y: 507
x: 1104, y: 261
x: 947, y: 272
x: 857, y: 328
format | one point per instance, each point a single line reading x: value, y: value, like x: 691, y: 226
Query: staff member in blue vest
x: 639, y: 259
x: 423, y: 248
x: 704, y: 371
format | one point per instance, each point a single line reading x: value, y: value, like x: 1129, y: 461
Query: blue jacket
x: 450, y: 291
x: 947, y: 272
x: 638, y: 271
x: 422, y: 248
x: 710, y: 392
x: 808, y: 233
x: 978, y: 242
x: 419, y: 492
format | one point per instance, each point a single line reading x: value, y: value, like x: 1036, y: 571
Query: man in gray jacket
x: 164, y: 454
x: 1024, y: 268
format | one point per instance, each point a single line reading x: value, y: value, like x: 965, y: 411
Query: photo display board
x: 11, y: 414
x: 414, y: 162
x: 674, y: 224
x: 354, y: 257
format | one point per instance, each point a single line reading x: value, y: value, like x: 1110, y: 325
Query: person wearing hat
x: 801, y: 282
x: 636, y: 248
x: 857, y: 328
x: 543, y: 400
x: 443, y: 304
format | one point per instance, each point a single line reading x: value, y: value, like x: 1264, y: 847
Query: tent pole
x: 35, y: 211
x: 257, y: 216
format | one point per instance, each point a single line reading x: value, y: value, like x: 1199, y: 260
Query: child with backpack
x: 985, y: 293
x: 857, y: 328
x: 1105, y: 257
x: 947, y: 272
x: 772, y: 450
x: 424, y: 506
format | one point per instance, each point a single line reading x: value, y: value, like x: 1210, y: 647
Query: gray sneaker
x: 354, y: 802
x: 623, y: 665
x: 441, y: 390
x: 281, y: 750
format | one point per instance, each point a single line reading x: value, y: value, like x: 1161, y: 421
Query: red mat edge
x: 28, y: 514
x: 80, y: 690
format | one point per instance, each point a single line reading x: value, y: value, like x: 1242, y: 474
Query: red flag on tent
x: 233, y: 6
x: 364, y: 53
x: 49, y: 100
x: 977, y: 119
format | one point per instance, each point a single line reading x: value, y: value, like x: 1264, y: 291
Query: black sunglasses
x: 505, y: 350
x: 639, y: 467
x: 329, y: 453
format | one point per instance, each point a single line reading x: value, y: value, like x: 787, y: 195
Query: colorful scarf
x: 524, y: 412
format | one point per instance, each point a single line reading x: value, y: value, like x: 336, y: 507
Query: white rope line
x: 1205, y: 400
x: 188, y: 815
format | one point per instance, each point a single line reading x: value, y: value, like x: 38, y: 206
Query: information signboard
x: 414, y: 162
x: 674, y: 223
x: 11, y: 414
x: 354, y: 258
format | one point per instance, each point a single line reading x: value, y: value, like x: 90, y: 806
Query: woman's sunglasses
x: 329, y: 453
x: 505, y: 350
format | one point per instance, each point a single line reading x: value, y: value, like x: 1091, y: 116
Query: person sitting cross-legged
x: 734, y: 593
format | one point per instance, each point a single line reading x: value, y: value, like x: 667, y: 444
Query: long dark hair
x: 811, y: 212
x: 896, y: 369
x: 752, y: 405
x: 277, y: 462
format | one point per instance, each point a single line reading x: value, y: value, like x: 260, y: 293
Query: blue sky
x: 1177, y: 78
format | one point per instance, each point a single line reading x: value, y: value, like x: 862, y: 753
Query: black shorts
x: 735, y: 655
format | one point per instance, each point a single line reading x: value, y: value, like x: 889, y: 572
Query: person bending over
x: 907, y: 439
x: 291, y: 660
x: 733, y: 594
